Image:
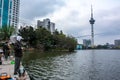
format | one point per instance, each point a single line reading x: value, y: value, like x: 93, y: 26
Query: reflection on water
x: 81, y: 65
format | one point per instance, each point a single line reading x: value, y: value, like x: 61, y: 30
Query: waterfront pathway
x: 8, y: 68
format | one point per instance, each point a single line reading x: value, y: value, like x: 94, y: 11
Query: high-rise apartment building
x: 9, y: 13
x: 46, y: 23
x: 117, y: 43
x: 86, y: 43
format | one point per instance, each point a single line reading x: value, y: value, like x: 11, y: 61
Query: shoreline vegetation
x: 44, y: 40
x: 51, y: 50
x: 40, y: 38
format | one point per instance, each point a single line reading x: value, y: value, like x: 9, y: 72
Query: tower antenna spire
x: 91, y: 11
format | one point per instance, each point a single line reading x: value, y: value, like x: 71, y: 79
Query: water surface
x: 80, y: 65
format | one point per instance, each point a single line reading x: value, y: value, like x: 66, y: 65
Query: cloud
x: 30, y: 9
x: 72, y: 16
x: 108, y: 22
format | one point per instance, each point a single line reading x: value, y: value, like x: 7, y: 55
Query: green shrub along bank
x: 44, y: 40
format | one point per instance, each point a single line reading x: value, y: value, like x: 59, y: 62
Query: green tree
x: 71, y: 43
x: 28, y: 35
x: 63, y: 42
x: 6, y: 32
x: 43, y: 38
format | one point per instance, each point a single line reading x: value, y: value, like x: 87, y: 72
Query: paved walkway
x: 8, y: 68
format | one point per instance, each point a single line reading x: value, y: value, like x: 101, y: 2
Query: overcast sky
x: 72, y: 17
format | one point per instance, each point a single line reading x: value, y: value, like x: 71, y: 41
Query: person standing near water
x: 1, y: 53
x: 18, y: 55
x: 6, y: 51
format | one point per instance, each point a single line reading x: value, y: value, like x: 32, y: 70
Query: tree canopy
x: 41, y: 38
x: 6, y: 32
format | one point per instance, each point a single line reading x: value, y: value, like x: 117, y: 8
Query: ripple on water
x: 83, y: 65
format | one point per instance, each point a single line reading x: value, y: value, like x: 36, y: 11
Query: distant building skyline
x: 9, y: 13
x: 46, y: 23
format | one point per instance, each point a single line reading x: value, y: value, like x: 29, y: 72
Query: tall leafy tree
x: 6, y: 32
x: 28, y: 35
x: 43, y: 38
x: 71, y: 43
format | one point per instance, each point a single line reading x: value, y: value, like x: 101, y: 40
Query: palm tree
x: 6, y: 32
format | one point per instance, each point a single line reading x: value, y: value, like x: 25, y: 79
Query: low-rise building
x: 79, y: 46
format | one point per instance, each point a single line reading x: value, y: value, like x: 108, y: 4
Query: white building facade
x: 46, y: 23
